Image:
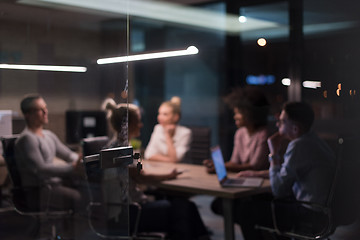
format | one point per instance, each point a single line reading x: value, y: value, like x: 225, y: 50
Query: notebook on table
x: 221, y: 173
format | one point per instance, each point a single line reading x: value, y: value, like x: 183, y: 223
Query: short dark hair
x: 123, y: 113
x: 26, y: 104
x: 300, y: 113
x: 252, y: 102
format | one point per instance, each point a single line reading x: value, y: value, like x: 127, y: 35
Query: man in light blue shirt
x: 305, y: 173
x: 308, y: 165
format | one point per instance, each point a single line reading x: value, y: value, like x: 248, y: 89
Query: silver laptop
x: 221, y: 173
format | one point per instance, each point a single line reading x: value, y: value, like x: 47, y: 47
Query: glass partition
x: 54, y: 34
x: 80, y: 55
x: 51, y: 48
x: 331, y: 66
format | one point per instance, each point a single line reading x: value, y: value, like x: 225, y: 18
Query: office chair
x: 3, y: 182
x: 199, y: 146
x: 93, y: 145
x: 98, y: 216
x: 342, y: 206
x: 21, y: 195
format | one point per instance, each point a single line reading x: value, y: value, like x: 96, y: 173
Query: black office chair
x: 23, y: 199
x: 199, y: 146
x: 4, y: 183
x: 93, y: 145
x: 342, y: 207
x: 98, y: 221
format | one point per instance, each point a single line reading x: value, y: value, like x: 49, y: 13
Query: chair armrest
x: 311, y: 205
x: 20, y: 200
x: 21, y: 204
x: 316, y: 207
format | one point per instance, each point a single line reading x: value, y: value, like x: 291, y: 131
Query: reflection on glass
x: 325, y: 94
x: 189, y: 51
x: 286, y: 81
x: 261, y: 42
x: 311, y: 84
x: 242, y: 19
x: 43, y: 68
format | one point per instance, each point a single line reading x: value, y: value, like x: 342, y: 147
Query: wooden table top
x: 196, y: 180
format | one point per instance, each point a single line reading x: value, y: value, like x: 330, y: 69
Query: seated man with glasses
x: 35, y: 151
x: 304, y: 173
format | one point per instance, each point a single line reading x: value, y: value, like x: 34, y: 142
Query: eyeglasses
x: 44, y: 110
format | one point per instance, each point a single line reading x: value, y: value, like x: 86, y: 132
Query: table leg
x: 228, y: 208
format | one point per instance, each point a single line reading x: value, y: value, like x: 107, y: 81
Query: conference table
x: 195, y: 180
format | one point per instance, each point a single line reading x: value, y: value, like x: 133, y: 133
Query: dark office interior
x: 306, y: 41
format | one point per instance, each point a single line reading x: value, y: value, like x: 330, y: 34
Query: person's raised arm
x: 274, y: 143
x: 281, y: 175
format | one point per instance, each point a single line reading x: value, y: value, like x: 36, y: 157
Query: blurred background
x: 308, y: 50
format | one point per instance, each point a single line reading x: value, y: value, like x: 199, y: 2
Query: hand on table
x: 210, y: 168
x: 173, y: 174
x: 78, y: 165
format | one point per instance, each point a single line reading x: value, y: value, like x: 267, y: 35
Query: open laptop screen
x: 219, y: 164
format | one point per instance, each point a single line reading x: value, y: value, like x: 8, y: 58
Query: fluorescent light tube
x: 311, y: 84
x: 189, y: 51
x: 43, y: 68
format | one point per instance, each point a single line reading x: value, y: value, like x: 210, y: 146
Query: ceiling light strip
x: 189, y: 51
x: 312, y: 84
x: 43, y: 68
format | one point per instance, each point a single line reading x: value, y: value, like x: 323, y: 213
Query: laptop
x: 221, y: 173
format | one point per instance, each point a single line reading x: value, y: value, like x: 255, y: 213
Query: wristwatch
x: 272, y: 157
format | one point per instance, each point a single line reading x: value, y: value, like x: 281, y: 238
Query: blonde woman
x: 169, y: 141
x: 179, y: 217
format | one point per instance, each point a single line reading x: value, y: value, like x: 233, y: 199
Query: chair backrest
x: 93, y: 145
x: 343, y: 199
x: 25, y: 199
x: 346, y: 194
x: 200, y: 145
x: 8, y: 143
